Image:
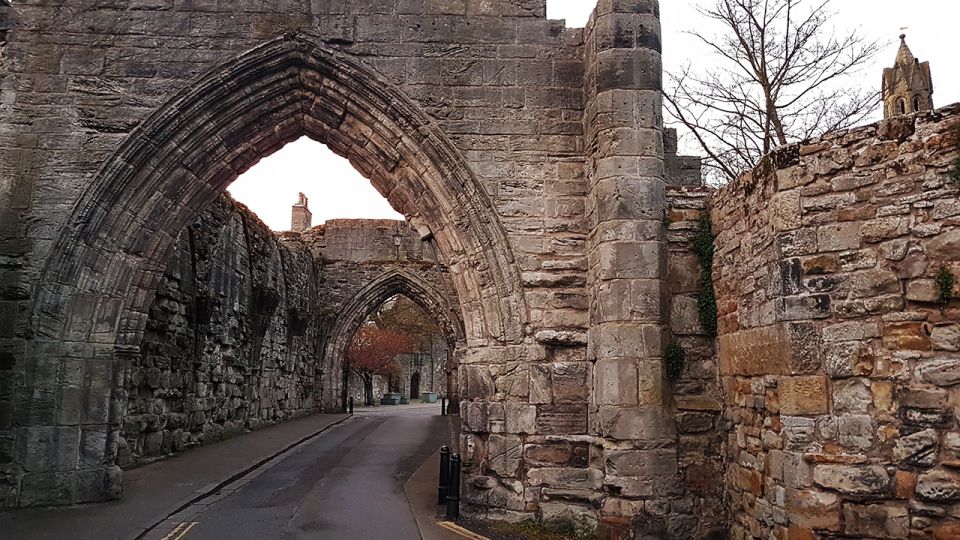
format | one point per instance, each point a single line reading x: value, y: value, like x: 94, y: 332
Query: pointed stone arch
x: 432, y: 300
x: 96, y: 287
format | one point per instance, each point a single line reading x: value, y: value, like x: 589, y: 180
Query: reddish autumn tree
x: 373, y: 351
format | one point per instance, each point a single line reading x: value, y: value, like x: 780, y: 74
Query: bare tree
x: 782, y: 75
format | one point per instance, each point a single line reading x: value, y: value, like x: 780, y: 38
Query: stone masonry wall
x: 839, y: 362
x: 700, y: 510
x: 233, y: 340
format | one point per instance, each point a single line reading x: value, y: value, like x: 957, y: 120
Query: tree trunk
x: 368, y: 391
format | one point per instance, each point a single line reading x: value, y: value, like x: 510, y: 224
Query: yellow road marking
x: 185, y: 531
x: 180, y: 530
x: 175, y: 530
x: 453, y: 527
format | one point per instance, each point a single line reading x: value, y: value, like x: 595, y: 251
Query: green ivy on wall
x: 706, y: 299
x: 946, y: 284
x: 674, y: 358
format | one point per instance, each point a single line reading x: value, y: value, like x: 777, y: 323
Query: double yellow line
x: 180, y: 530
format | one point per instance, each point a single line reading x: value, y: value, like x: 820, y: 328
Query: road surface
x: 345, y: 484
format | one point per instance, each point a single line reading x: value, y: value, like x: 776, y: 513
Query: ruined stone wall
x: 233, y: 339
x: 353, y: 252
x: 839, y: 362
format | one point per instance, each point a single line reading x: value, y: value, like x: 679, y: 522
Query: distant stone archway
x: 432, y: 300
x: 95, y: 290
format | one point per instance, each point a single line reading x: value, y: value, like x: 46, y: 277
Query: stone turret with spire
x: 907, y: 86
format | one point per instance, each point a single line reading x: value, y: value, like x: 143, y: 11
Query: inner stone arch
x: 98, y: 284
x: 431, y: 298
x: 188, y: 152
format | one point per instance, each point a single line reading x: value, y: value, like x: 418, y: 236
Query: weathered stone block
x: 785, y: 211
x: 639, y: 423
x: 944, y: 246
x: 887, y: 520
x: 541, y: 388
x: 918, y: 449
x: 941, y: 371
x: 640, y: 462
x: 651, y: 382
x: 768, y: 350
x: 855, y: 480
x: 805, y: 307
x: 567, y: 478
x: 478, y: 383
x: 504, y: 454
x: 852, y: 395
x: 581, y: 519
x: 940, y: 486
x: 871, y: 283
x: 923, y: 397
x: 562, y: 419
x: 946, y: 337
x: 557, y: 454
x: 798, y: 433
x: 695, y: 422
x: 615, y: 382
x: 571, y: 382
x: 839, y: 237
x: 813, y: 509
x: 803, y: 396
x: 852, y: 431
x: 685, y: 316
x: 520, y: 418
x: 631, y: 260
x: 906, y: 336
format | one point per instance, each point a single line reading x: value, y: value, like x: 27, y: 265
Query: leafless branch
x: 784, y: 74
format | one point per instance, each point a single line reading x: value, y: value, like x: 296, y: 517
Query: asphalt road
x: 345, y: 484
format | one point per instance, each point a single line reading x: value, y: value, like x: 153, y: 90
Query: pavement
x: 326, y: 476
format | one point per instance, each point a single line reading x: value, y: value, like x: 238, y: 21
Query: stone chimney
x: 301, y: 216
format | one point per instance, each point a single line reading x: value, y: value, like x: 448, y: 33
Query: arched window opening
x: 916, y: 103
x: 397, y: 356
x: 901, y: 106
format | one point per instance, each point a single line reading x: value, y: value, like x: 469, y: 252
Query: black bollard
x: 453, y: 489
x: 351, y: 404
x: 443, y: 406
x: 444, y: 475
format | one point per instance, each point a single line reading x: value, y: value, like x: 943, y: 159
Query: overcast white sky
x: 336, y: 190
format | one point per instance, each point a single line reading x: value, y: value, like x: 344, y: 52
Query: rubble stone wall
x: 233, y: 341
x: 839, y: 360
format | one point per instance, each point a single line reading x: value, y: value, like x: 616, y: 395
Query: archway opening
x: 399, y: 353
x: 234, y: 337
x: 104, y: 270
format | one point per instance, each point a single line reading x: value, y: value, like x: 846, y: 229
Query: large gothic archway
x: 433, y: 302
x: 95, y: 290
